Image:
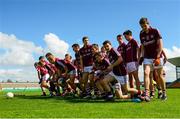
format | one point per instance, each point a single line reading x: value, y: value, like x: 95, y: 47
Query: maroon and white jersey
x: 104, y: 54
x: 51, y: 68
x: 60, y: 64
x: 131, y: 51
x: 103, y: 65
x: 122, y: 50
x: 86, y: 54
x: 77, y: 60
x: 149, y: 41
x: 120, y: 69
x: 95, y: 62
x: 70, y: 66
x: 42, y: 70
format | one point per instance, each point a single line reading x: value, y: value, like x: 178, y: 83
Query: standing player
x: 77, y: 63
x: 160, y: 83
x: 122, y: 46
x: 132, y: 59
x: 151, y: 41
x: 86, y: 61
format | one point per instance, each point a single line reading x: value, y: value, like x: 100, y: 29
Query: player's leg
x: 147, y: 70
x: 91, y: 82
x: 107, y: 79
x: 151, y: 86
x: 136, y: 77
x: 118, y: 92
x: 162, y: 83
x: 84, y: 82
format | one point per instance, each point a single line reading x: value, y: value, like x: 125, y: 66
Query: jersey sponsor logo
x: 145, y: 43
x: 128, y: 48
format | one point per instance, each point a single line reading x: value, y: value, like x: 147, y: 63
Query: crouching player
x: 43, y: 76
x: 101, y: 65
x: 118, y: 72
x: 61, y: 73
x: 72, y: 72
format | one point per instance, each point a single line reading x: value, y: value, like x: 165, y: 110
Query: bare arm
x: 165, y: 57
x: 159, y: 50
x: 39, y: 76
x: 81, y: 63
x: 117, y: 62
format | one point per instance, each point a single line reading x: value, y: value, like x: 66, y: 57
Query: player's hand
x: 156, y: 62
x: 141, y: 59
x: 165, y: 60
x: 110, y: 68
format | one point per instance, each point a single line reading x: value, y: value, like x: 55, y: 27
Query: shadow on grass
x: 72, y: 99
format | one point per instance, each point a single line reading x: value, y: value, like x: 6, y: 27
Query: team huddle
x: 108, y: 73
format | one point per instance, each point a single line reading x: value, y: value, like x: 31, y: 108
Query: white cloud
x: 17, y: 52
x: 20, y: 75
x: 174, y: 52
x: 55, y: 45
x: 21, y: 54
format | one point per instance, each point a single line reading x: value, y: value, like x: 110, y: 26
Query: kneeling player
x: 118, y: 72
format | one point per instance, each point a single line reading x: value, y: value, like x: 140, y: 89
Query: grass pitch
x: 32, y: 105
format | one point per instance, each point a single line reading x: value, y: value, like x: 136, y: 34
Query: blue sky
x: 98, y: 19
x: 70, y: 20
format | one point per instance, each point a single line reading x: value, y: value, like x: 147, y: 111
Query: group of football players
x: 106, y: 72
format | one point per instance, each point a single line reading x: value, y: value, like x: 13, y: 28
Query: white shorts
x: 88, y: 69
x: 121, y: 79
x: 131, y: 66
x: 45, y: 77
x: 149, y: 62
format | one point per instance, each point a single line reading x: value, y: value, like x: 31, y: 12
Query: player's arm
x: 159, y: 50
x: 39, y: 76
x: 141, y: 54
x: 81, y: 62
x: 117, y: 62
x: 164, y: 55
x: 66, y: 70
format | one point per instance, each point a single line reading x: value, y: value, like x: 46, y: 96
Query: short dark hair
x: 69, y: 55
x: 143, y: 20
x: 119, y: 35
x: 41, y: 57
x: 35, y: 64
x: 75, y: 45
x: 48, y: 54
x: 106, y: 41
x: 127, y: 32
x: 95, y: 45
x: 85, y: 37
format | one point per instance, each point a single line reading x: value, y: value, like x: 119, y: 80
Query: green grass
x: 33, y: 105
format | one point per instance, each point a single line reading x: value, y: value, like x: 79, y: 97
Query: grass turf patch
x: 30, y: 104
